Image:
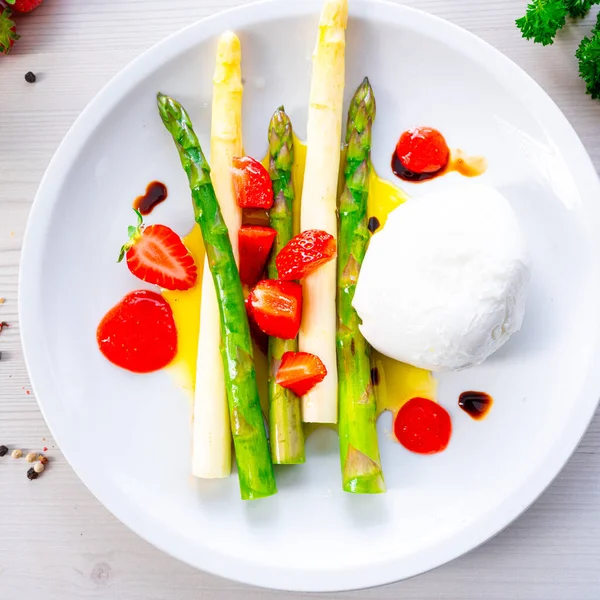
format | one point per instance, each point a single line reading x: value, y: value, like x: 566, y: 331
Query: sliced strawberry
x: 252, y: 183
x: 156, y: 254
x: 276, y: 306
x: 261, y: 339
x: 304, y: 254
x: 300, y: 372
x: 255, y: 245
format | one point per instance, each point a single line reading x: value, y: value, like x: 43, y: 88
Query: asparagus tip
x: 162, y: 100
x: 171, y: 112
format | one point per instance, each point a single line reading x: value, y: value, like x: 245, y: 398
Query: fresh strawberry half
x: 305, y: 253
x: 157, y: 255
x: 261, y: 339
x: 252, y: 183
x: 255, y: 244
x: 276, y: 306
x: 8, y: 31
x: 300, y: 372
x: 24, y: 6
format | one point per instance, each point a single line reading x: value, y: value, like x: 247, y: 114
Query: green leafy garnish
x: 8, y: 35
x: 543, y: 19
x: 579, y: 8
x: 588, y: 55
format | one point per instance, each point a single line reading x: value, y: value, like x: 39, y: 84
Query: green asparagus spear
x: 359, y: 450
x: 285, y: 418
x: 255, y: 470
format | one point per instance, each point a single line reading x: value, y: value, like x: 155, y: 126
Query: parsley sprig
x: 588, y: 55
x: 579, y: 8
x: 544, y: 18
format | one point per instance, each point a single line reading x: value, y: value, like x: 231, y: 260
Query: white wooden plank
x: 58, y: 542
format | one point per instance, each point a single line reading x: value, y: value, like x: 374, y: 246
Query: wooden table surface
x: 57, y: 542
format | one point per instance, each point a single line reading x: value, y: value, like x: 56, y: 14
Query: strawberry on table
x: 252, y: 183
x: 255, y: 244
x: 8, y: 31
x: 304, y: 254
x: 157, y: 255
x: 276, y: 307
x: 300, y: 372
x: 24, y: 6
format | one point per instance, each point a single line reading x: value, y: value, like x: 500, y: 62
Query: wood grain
x: 57, y: 541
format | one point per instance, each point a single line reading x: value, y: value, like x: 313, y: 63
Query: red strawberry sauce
x: 423, y: 426
x: 139, y: 333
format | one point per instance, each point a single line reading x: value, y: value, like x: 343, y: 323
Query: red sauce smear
x: 476, y: 404
x: 423, y: 426
x: 422, y: 153
x: 139, y: 333
x: 156, y: 192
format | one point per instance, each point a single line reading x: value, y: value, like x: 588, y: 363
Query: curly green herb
x: 542, y: 20
x: 588, y: 55
x: 579, y: 8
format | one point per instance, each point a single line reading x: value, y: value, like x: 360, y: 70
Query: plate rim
x: 294, y: 579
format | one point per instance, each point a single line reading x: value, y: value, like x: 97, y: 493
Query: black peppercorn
x: 373, y: 224
x: 3, y: 450
x: 31, y: 474
x: 30, y: 77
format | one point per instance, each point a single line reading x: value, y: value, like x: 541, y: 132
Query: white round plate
x: 128, y: 436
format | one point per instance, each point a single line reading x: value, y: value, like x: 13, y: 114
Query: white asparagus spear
x: 211, y: 448
x: 319, y: 199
